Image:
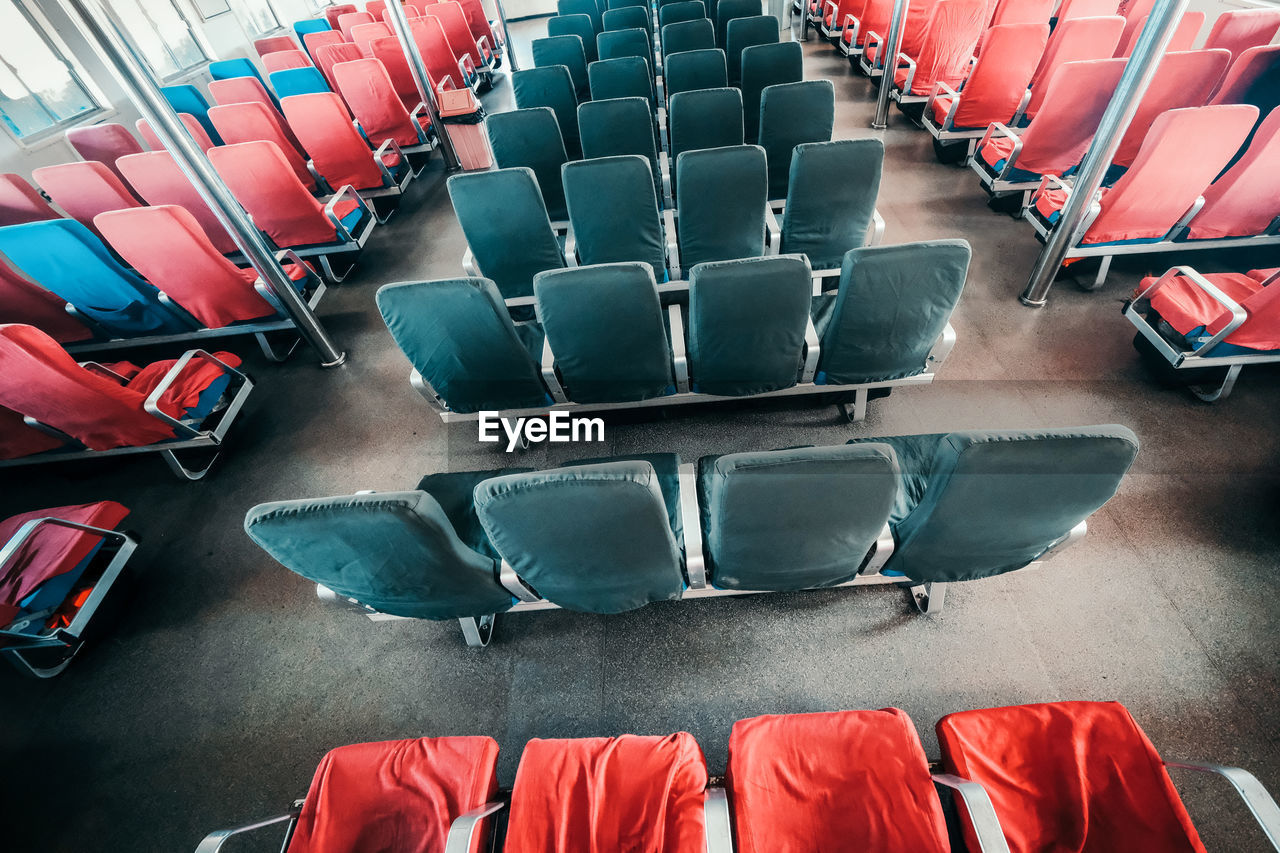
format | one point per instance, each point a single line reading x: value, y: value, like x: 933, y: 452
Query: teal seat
x: 791, y: 114
x: 684, y: 36
x: 976, y: 503
x: 565, y: 8
x: 395, y: 552
x: 747, y: 32
x: 459, y: 338
x: 727, y: 10
x: 721, y: 204
x: 298, y: 81
x: 690, y: 70
x: 505, y: 222
x: 575, y: 25
x: 892, y: 305
x: 831, y: 199
x: 624, y: 4
x: 226, y: 69
x: 627, y: 18
x: 681, y: 12
x: 747, y: 324
x: 595, y: 538
x: 613, y: 44
x: 624, y: 77
x: 186, y: 98
x: 531, y: 138
x: 550, y: 87
x: 801, y: 518
x: 605, y: 326
x: 766, y: 65
x: 703, y: 118
x: 613, y: 212
x: 566, y: 51
x: 310, y: 25
x: 620, y: 126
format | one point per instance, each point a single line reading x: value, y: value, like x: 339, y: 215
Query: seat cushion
x: 1068, y: 776
x: 628, y: 793
x: 996, y: 151
x: 397, y: 795
x: 454, y: 491
x: 833, y: 781
x: 1198, y: 316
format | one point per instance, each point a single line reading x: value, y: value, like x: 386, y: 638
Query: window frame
x: 241, y: 7
x: 185, y: 12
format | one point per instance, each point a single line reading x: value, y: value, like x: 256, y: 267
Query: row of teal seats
x: 612, y: 535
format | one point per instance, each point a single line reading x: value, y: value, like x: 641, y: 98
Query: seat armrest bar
x: 876, y: 234
x: 982, y: 815
x: 388, y: 144
x: 679, y: 358
x: 1073, y: 536
x: 511, y: 583
x: 673, y: 244
x: 1255, y: 796
x: 942, y: 88
x: 1238, y: 314
x: 1022, y: 107
x: 812, y: 349
x: 1003, y: 129
x: 773, y: 232
x: 691, y: 517
x: 152, y: 403
x: 911, y: 73
x: 213, y: 842
x: 105, y: 372
x: 548, y: 368
x: 942, y: 347
x: 570, y: 248
x: 418, y: 111
x: 715, y: 808
x: 463, y: 828
x: 331, y: 209
x: 29, y: 529
x: 883, y: 551
x: 469, y: 263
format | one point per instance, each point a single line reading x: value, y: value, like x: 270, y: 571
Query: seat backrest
x: 253, y: 122
x: 645, y: 792
x: 948, y: 44
x: 458, y: 335
x: 613, y: 211
x: 1237, y: 30
x: 478, y: 21
x: 186, y: 98
x: 914, y: 26
x: 298, y: 81
x: 794, y: 519
x: 105, y: 143
x: 396, y: 552
x: 575, y: 25
x: 790, y: 114
x: 433, y: 44
x: 1242, y: 202
x: 680, y: 36
x: 605, y: 325
x: 194, y: 129
x: 994, y: 501
x: 28, y: 303
x: 619, y: 126
x: 351, y: 20
x: 156, y: 177
x: 1247, y: 69
x: 338, y: 152
x: 283, y: 59
x: 273, y: 44
x: 333, y: 13
x: 84, y: 189
x: 679, y: 12
x: 874, y: 18
x: 167, y: 245
x: 241, y: 90
x: 767, y: 65
x: 363, y: 34
x: 1022, y: 12
x: 1075, y: 98
x: 550, y: 87
x: 1182, y: 39
x: 745, y: 32
x: 501, y: 209
x: 310, y: 25
x: 892, y: 305
x: 624, y: 77
x: 1181, y: 154
x: 531, y: 138
x: 367, y: 89
x: 705, y: 118
x: 784, y: 770
x: 594, y: 538
x: 612, y: 44
x: 747, y: 322
x: 65, y: 258
x: 260, y: 178
x: 456, y: 28
x: 566, y: 51
x: 695, y: 69
x: 1049, y: 770
x: 1072, y: 9
x: 727, y: 10
x: 20, y: 202
x: 237, y: 67
x: 831, y: 198
x: 332, y: 55
x: 995, y: 88
x: 314, y: 41
x: 626, y: 18
x: 582, y: 7
x: 1073, y: 41
x: 721, y: 200
x: 1181, y: 80
x: 389, y: 52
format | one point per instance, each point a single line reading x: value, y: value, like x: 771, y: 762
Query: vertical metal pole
x: 131, y: 70
x: 889, y: 62
x: 1137, y: 75
x: 418, y: 68
x: 506, y: 36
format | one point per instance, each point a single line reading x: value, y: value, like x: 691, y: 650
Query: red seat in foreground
x: 1197, y: 316
x: 24, y: 301
x: 21, y: 203
x: 619, y: 794
x: 1245, y: 200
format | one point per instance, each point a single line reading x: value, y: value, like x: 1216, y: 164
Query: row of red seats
x: 1032, y: 778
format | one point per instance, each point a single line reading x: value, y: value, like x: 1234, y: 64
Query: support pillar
x: 889, y: 62
x: 418, y: 70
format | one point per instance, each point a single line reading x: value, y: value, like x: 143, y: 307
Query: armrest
x: 467, y: 68
x: 910, y: 63
x: 331, y: 209
x: 812, y: 349
x: 942, y: 347
x: 469, y: 263
x: 388, y: 144
x: 417, y: 114
x: 1260, y: 803
x: 679, y: 358
x: 264, y: 290
x: 29, y: 529
x: 1073, y: 536
x: 664, y: 170
x: 1022, y: 108
x: 715, y: 810
x: 940, y: 88
x: 772, y: 231
x: 673, y: 244
x: 830, y: 5
x: 1238, y: 314
x: 213, y: 842
x: 883, y: 551
x: 152, y: 403
x: 548, y: 368
x: 982, y: 815
x: 570, y: 248
x: 695, y: 561
x: 851, y: 23
x: 105, y: 372
x: 511, y: 583
x: 482, y: 44
x: 877, y: 229
x: 463, y: 828
x: 1003, y: 129
x: 875, y: 38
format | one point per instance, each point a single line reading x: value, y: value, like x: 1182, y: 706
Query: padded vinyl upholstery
x: 767, y: 65
x: 552, y: 87
x: 575, y: 25
x: 743, y: 33
x: 705, y: 118
x: 631, y: 42
x: 458, y: 335
x: 614, y: 212
x: 790, y: 114
x: 564, y: 50
x: 692, y: 70
x: 624, y: 77
x: 747, y: 320
x: 794, y: 519
x: 831, y: 198
x: 531, y: 137
x: 593, y: 538
x: 681, y: 36
x: 721, y: 199
x: 620, y: 126
x: 393, y: 551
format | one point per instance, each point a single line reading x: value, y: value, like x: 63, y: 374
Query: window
x: 161, y: 32
x: 39, y: 89
x: 259, y: 18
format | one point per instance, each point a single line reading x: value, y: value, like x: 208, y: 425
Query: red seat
x: 848, y: 780
x: 167, y: 246
x: 156, y: 177
x: 1182, y: 39
x: 478, y: 21
x: 39, y: 379
x: 18, y: 440
x: 428, y: 35
x: 1262, y: 275
x: 389, y: 52
x: 314, y: 41
x: 454, y: 22
x: 283, y: 60
x: 624, y: 793
x: 376, y: 8
x: 253, y: 122
x: 371, y: 96
x: 1246, y: 69
x: 334, y: 13
x: 1190, y: 310
x: 1072, y: 9
x: 1240, y: 29
x: 948, y: 45
x: 330, y: 55
x: 1068, y: 776
x: 914, y: 27
x: 1246, y: 199
x: 999, y: 80
x: 282, y: 208
x: 1182, y: 79
x: 105, y: 143
x: 1073, y: 41
x: 20, y: 202
x: 353, y: 19
x: 24, y: 301
x: 190, y: 122
x: 363, y: 34
x: 874, y: 18
x: 1008, y: 12
x: 338, y: 152
x: 272, y: 44
x: 249, y: 90
x: 84, y: 189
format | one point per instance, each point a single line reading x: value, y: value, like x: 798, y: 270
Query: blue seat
x: 298, y: 81
x: 227, y: 69
x: 187, y: 99
x: 310, y: 25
